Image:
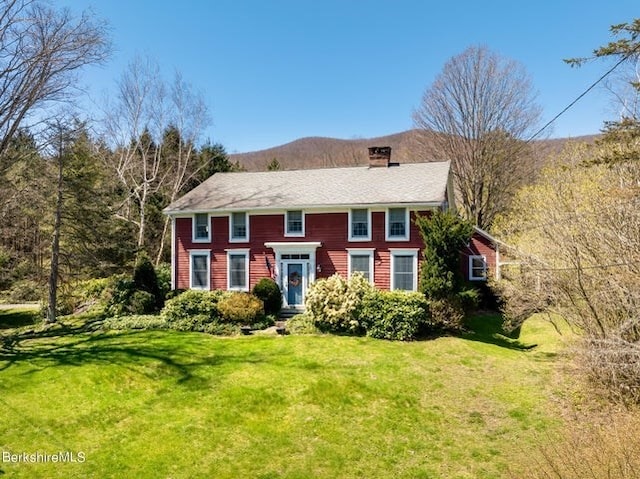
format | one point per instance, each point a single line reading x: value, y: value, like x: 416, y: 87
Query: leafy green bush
x: 25, y: 291
x: 267, y: 321
x: 191, y: 310
x: 142, y: 302
x: 138, y: 321
x: 241, y: 308
x: 446, y: 314
x: 302, y: 324
x: 396, y: 315
x: 146, y: 279
x: 118, y: 297
x: 163, y: 273
x: 334, y: 303
x: 269, y: 292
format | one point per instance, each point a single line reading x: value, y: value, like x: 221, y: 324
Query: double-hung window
x: 359, y: 225
x: 199, y: 262
x: 361, y: 261
x: 404, y: 269
x: 477, y: 268
x: 201, y: 231
x: 239, y: 227
x: 397, y: 227
x: 294, y: 223
x: 238, y: 270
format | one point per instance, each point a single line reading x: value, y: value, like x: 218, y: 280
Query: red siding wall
x: 330, y: 229
x: 479, y: 245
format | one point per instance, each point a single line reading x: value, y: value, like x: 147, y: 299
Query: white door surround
x: 294, y: 253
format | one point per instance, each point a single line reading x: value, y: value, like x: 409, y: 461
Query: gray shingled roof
x: 411, y: 183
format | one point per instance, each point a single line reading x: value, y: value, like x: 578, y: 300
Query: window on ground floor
x: 238, y: 270
x: 404, y: 270
x: 199, y: 265
x: 477, y: 268
x: 361, y: 261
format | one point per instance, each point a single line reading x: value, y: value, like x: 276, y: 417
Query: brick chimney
x: 379, y: 156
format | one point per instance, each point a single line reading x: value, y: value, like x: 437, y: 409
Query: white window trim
x: 362, y: 252
x: 369, y: 227
x: 484, y: 260
x: 403, y: 252
x: 193, y: 229
x: 247, y: 221
x: 387, y: 228
x: 286, y: 224
x: 200, y: 252
x: 245, y: 252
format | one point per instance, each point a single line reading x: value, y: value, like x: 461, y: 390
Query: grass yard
x: 166, y: 404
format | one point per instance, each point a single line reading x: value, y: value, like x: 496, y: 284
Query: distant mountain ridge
x: 322, y: 152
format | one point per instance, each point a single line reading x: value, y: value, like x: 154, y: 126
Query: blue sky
x: 275, y: 71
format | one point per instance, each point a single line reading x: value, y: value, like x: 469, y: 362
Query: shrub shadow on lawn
x: 487, y: 328
x: 142, y: 352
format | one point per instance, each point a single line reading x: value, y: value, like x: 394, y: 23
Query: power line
x: 591, y: 87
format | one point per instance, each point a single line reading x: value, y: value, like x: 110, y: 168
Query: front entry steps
x: 288, y: 313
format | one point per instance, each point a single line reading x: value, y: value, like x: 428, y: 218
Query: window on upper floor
x: 397, y: 227
x: 239, y: 227
x: 201, y: 227
x: 294, y: 223
x: 477, y: 268
x: 359, y: 225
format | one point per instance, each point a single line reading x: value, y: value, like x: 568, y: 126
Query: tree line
x: 80, y: 197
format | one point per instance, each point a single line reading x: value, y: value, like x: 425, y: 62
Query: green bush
x: 267, y: 321
x: 396, y: 315
x: 146, y: 279
x: 334, y: 303
x: 118, y: 297
x: 241, y: 308
x: 138, y: 321
x: 269, y: 292
x: 163, y: 273
x: 25, y: 290
x: 446, y: 314
x: 302, y: 324
x: 191, y: 310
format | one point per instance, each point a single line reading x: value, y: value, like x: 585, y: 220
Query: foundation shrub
x: 395, y: 315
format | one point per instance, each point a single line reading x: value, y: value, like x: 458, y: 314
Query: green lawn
x: 188, y: 405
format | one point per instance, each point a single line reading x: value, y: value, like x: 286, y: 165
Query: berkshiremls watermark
x: 43, y: 457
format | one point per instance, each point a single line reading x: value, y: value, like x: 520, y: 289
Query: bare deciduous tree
x: 576, y: 234
x: 41, y: 50
x: 477, y: 113
x: 147, y: 112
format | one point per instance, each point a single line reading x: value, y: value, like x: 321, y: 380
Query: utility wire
x: 591, y: 87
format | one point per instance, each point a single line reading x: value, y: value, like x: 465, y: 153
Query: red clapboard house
x: 300, y: 225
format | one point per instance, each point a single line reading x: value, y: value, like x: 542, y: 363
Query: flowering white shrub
x: 335, y: 303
